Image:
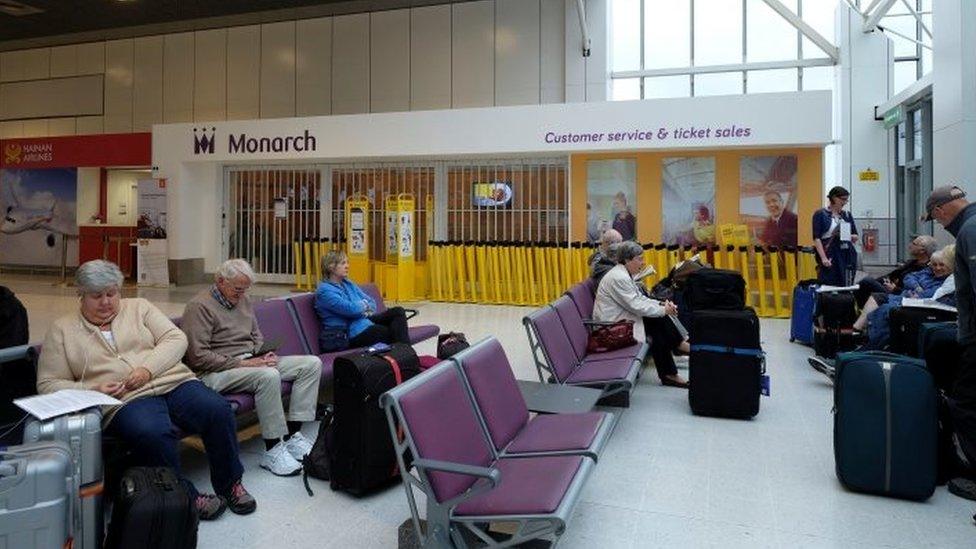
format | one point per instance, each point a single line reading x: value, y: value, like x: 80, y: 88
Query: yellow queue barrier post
x: 452, y: 272
x: 808, y: 263
x: 761, y: 281
x: 744, y: 269
x: 307, y: 260
x: 781, y: 307
x: 789, y: 261
x: 522, y: 281
x: 661, y: 260
x: 297, y: 261
x: 471, y: 275
x: 493, y: 251
x: 357, y: 237
x: 434, y: 289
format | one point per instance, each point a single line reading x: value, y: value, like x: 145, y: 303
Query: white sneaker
x: 278, y: 460
x: 298, y: 446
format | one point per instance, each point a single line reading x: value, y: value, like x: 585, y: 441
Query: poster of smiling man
x: 688, y: 201
x: 39, y: 210
x: 611, y: 188
x: 767, y: 199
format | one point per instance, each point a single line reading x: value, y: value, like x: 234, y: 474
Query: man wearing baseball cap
x: 948, y: 207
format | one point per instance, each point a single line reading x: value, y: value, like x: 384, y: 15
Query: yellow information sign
x: 868, y: 175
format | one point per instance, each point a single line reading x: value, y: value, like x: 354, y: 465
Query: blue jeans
x: 148, y: 425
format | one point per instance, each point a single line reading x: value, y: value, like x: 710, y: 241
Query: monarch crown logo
x: 12, y: 154
x: 203, y: 140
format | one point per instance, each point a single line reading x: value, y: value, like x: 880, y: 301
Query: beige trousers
x: 305, y: 371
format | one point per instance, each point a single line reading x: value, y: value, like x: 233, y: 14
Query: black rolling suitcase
x: 363, y: 457
x: 726, y: 364
x: 152, y: 510
x: 834, y: 319
x: 939, y: 347
x: 715, y: 289
x: 905, y: 323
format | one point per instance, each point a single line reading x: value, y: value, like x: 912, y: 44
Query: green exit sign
x: 894, y: 116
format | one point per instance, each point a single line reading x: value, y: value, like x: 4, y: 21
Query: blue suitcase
x: 885, y: 425
x: 801, y: 315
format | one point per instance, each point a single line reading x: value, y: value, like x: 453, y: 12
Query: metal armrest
x: 410, y: 313
x: 19, y: 352
x: 491, y: 474
x: 591, y: 322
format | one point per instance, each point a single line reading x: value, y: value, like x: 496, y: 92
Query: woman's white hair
x: 946, y: 255
x: 233, y: 268
x: 97, y: 276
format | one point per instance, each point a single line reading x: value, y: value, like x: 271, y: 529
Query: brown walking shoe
x: 209, y: 506
x: 240, y: 501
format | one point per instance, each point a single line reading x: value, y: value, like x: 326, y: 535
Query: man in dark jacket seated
x: 920, y: 249
x: 602, y: 260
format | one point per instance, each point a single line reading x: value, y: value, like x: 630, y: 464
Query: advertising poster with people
x: 767, y: 199
x: 152, y: 251
x: 39, y: 215
x: 611, y: 191
x: 688, y: 201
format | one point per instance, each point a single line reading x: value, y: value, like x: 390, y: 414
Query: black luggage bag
x: 153, y: 510
x: 834, y: 319
x: 363, y: 458
x: 715, y: 289
x: 939, y: 346
x: 726, y: 364
x: 905, y: 323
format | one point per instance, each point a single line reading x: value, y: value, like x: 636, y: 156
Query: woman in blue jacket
x: 836, y: 258
x: 348, y: 316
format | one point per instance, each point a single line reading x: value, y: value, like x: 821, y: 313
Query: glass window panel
x: 926, y: 61
x: 718, y: 32
x: 667, y: 34
x: 819, y: 14
x: 624, y: 89
x: 901, y: 144
x: 831, y: 162
x: 917, y: 131
x: 904, y: 24
x: 818, y: 78
x: 904, y: 75
x: 661, y: 87
x: 769, y: 37
x: 779, y: 80
x: 625, y: 35
x: 723, y: 83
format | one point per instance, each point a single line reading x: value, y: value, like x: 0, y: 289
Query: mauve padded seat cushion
x: 624, y: 352
x: 423, y: 332
x: 603, y: 370
x: 530, y: 485
x: 555, y: 432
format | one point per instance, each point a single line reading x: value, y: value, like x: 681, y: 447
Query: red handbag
x: 610, y: 337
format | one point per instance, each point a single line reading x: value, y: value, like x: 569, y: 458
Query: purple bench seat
x: 502, y: 409
x: 558, y: 336
x: 466, y: 484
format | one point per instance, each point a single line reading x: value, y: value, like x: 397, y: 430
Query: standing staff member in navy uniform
x: 836, y: 257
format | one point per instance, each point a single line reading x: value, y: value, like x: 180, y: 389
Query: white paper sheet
x: 845, y: 231
x: 926, y: 304
x: 826, y: 288
x: 66, y: 401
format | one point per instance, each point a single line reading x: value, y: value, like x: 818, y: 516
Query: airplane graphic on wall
x: 18, y: 219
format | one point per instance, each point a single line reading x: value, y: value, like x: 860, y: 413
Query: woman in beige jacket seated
x: 128, y: 349
x: 619, y: 298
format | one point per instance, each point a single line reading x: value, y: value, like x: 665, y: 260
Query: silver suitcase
x: 82, y: 432
x: 37, y: 489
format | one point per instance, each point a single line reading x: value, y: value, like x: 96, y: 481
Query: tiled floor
x: 667, y: 478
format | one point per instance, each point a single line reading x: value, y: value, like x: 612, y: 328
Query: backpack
x: 318, y: 462
x: 450, y: 344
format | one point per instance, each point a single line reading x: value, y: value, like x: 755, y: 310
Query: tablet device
x: 269, y: 346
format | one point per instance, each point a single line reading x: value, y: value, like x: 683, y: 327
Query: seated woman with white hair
x: 619, y: 298
x: 128, y: 349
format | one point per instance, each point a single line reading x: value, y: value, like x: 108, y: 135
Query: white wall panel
x: 35, y: 128
x: 89, y: 125
x: 51, y: 97
x: 210, y: 75
x: 147, y: 99
x: 178, y: 67
x: 313, y: 67
x: 278, y: 70
x: 350, y: 64
x: 91, y: 58
x: 118, y: 86
x: 11, y: 129
x: 11, y: 66
x: 88, y: 190
x: 64, y: 61
x: 597, y: 64
x: 430, y: 57
x: 575, y: 64
x: 552, y: 53
x: 243, y: 72
x: 61, y: 126
x: 389, y: 61
x: 516, y: 52
x: 473, y: 54
x: 36, y: 63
